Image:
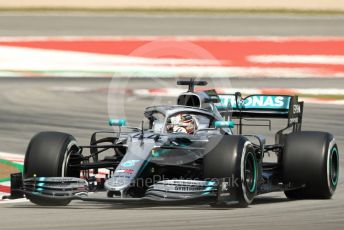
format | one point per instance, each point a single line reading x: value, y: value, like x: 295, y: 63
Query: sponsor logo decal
x: 255, y: 102
x: 130, y: 163
x: 185, y: 188
x: 296, y: 109
x: 294, y: 120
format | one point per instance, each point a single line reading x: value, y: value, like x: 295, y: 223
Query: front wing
x: 68, y: 189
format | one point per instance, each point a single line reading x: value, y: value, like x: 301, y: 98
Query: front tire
x: 48, y: 156
x: 311, y: 160
x: 233, y: 157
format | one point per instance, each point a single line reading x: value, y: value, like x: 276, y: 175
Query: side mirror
x: 117, y: 122
x: 224, y: 124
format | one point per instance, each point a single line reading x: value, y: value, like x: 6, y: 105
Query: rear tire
x: 47, y: 156
x: 311, y: 160
x: 233, y: 157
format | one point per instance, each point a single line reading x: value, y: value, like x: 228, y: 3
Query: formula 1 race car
x: 188, y: 154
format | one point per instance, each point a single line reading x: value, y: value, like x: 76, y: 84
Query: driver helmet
x: 182, y: 123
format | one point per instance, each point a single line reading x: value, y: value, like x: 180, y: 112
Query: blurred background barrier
x: 193, y: 5
x: 252, y: 57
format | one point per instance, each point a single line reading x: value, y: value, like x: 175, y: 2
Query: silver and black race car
x: 188, y: 154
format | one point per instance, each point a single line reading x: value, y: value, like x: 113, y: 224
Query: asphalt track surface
x: 152, y: 24
x: 32, y: 105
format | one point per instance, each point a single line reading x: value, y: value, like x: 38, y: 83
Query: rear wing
x: 262, y: 106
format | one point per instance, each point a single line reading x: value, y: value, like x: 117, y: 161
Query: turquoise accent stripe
x: 211, y: 183
x: 160, y: 152
x: 224, y: 124
x: 335, y: 179
x: 253, y: 188
x: 208, y: 188
x: 117, y: 122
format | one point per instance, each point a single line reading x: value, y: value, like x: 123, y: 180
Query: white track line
x: 299, y: 59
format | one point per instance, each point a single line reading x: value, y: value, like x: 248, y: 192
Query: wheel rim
x: 334, y: 166
x: 66, y: 160
x: 250, y: 173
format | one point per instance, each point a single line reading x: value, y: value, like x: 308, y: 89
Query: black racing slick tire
x: 48, y: 155
x: 311, y: 164
x: 233, y: 157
